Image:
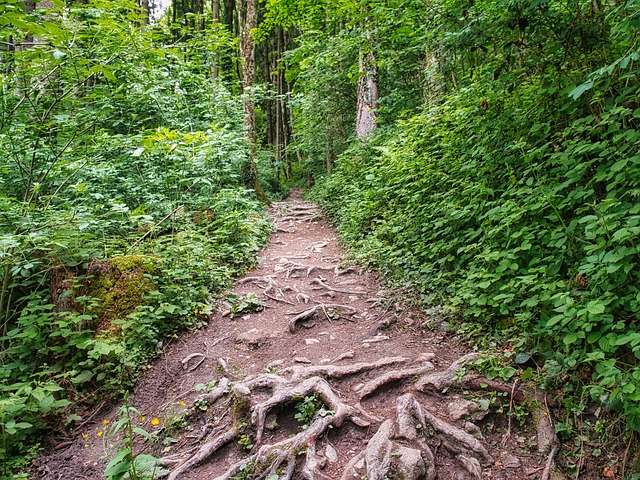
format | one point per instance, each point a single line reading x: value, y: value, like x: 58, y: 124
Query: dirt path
x: 330, y: 340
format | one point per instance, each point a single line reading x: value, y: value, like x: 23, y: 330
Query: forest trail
x: 329, y: 340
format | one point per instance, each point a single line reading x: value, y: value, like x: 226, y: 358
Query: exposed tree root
x: 330, y: 311
x: 313, y: 463
x: 302, y: 213
x: 399, y: 448
x: 384, y: 455
x: 190, y: 365
x: 323, y: 285
x: 393, y: 376
x: 546, y: 473
x: 290, y: 269
x: 301, y: 217
x: 477, y: 382
x: 204, y: 452
x: 317, y: 247
x: 270, y: 288
x: 303, y: 297
x: 335, y: 371
x: 217, y: 392
x: 447, y: 378
x: 270, y: 458
x: 284, y: 391
x: 408, y: 406
x: 266, y: 280
x: 277, y: 299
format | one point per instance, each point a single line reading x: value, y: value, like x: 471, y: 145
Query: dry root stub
x: 410, y: 441
x: 329, y: 311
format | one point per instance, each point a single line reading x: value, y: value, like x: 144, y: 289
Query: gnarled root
x: 392, y: 376
x: 398, y: 449
x: 335, y: 371
x: 408, y: 407
x: 269, y: 458
x: 322, y: 285
x: 205, y: 451
x: 447, y: 378
x: 330, y: 311
x: 383, y: 455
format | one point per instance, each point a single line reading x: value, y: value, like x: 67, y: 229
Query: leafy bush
x: 122, y: 208
x: 515, y: 203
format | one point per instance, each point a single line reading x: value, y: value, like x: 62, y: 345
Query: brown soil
x: 417, y: 416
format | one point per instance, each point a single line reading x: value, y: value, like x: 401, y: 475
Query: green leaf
x: 570, y: 338
x: 108, y: 74
x: 83, y: 377
x: 143, y: 433
x: 595, y: 307
x: 580, y: 89
x: 119, y: 463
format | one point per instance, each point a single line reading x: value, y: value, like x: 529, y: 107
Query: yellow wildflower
x: 142, y: 419
x: 85, y: 435
x: 182, y: 404
x: 155, y: 421
x: 99, y: 433
x: 105, y: 421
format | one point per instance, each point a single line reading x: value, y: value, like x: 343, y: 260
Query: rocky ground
x: 314, y: 370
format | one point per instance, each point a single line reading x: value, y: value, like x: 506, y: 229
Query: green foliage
x: 512, y: 196
x: 122, y: 206
x: 309, y: 408
x: 245, y: 304
x: 125, y: 463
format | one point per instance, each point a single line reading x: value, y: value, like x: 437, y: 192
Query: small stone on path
x: 311, y: 341
x: 301, y: 360
x: 347, y: 354
x: 253, y: 337
x: 276, y: 363
x: 331, y: 454
x: 511, y: 461
x: 460, y: 407
x: 410, y: 463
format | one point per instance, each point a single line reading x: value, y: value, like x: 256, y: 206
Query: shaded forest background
x: 482, y: 154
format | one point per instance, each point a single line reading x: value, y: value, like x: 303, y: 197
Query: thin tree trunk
x: 278, y: 138
x: 215, y: 18
x: 146, y: 12
x: 329, y: 158
x: 248, y: 20
x: 175, y: 18
x: 269, y: 102
x: 366, y: 119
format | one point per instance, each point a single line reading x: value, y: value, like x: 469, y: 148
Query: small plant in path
x: 311, y: 407
x: 125, y: 464
x: 245, y: 304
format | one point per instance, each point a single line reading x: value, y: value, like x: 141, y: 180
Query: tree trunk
x: 146, y: 12
x: 215, y: 17
x: 366, y: 119
x: 248, y: 20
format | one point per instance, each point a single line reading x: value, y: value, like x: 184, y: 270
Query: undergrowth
x: 515, y: 206
x: 123, y: 210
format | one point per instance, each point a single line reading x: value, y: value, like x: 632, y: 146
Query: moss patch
x: 119, y: 284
